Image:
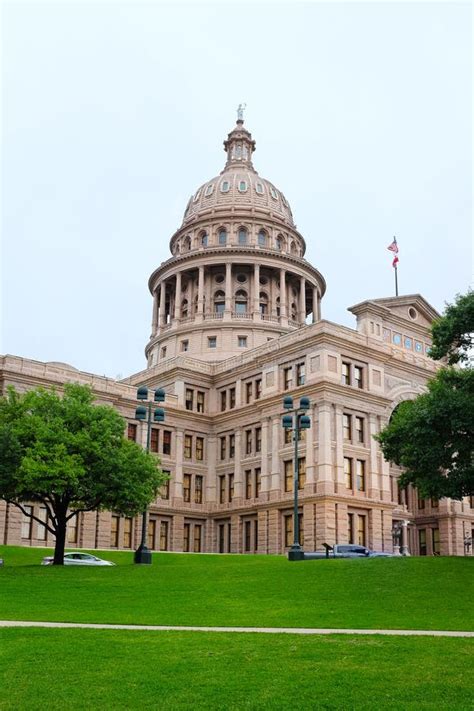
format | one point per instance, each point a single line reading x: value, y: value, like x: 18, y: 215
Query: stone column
x: 373, y: 479
x: 211, y: 455
x: 228, y: 289
x: 315, y: 304
x: 238, y: 488
x: 154, y: 320
x: 200, y: 310
x: 340, y: 479
x: 283, y: 308
x: 256, y: 291
x: 265, y: 479
x: 302, y: 304
x: 162, y: 304
x: 177, y: 298
x: 276, y: 484
x: 325, y: 478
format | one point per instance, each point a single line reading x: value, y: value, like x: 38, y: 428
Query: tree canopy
x: 432, y: 437
x: 71, y: 455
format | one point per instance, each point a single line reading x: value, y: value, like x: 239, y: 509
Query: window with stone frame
x: 154, y: 439
x: 186, y: 488
x: 350, y: 528
x: 348, y: 472
x: 132, y: 431
x: 300, y: 374
x: 41, y: 527
x: 248, y: 441
x: 188, y: 446
x: 27, y: 523
x: 248, y: 483
x: 198, y: 487
x: 360, y: 474
x: 231, y: 446
x: 222, y: 488
x: 199, y: 449
x: 164, y: 528
x: 186, y: 537
x: 361, y: 530
x: 346, y: 373
x: 231, y: 398
x: 258, y: 439
x: 258, y: 481
x: 358, y: 376
x: 223, y: 400
x: 127, y: 532
x: 435, y: 541
x: 223, y: 447
x: 258, y: 389
x: 165, y: 487
x: 287, y: 378
x: 347, y: 427
x: 166, y: 442
x: 248, y: 392
x: 422, y: 549
x: 197, y: 539
x: 288, y: 469
x: 359, y: 429
x: 114, y: 531
x: 288, y: 528
x: 200, y: 401
x: 189, y: 401
x: 231, y: 487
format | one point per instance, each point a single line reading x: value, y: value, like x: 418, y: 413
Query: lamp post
x: 296, y: 420
x: 143, y: 413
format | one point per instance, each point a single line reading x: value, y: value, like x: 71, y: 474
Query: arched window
x: 242, y: 236
x: 293, y: 248
x: 184, y: 308
x: 222, y: 236
x: 176, y: 248
x: 242, y: 186
x: 280, y: 243
x: 209, y: 190
x: 225, y: 186
x: 278, y: 308
x: 186, y: 244
x: 203, y: 239
x: 195, y: 304
x: 259, y: 188
x: 219, y: 302
x: 263, y: 304
x: 241, y: 302
x: 262, y: 238
x: 293, y: 311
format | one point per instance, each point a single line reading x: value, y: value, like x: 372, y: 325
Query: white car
x: 78, y: 559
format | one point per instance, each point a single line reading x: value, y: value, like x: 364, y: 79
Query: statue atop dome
x: 240, y: 112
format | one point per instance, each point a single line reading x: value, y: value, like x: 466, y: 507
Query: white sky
x: 114, y: 113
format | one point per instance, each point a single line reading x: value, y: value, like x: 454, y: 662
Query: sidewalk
x: 261, y: 630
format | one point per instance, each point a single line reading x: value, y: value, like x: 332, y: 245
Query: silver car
x: 78, y: 559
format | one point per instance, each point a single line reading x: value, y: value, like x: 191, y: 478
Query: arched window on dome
x: 209, y: 190
x: 278, y: 308
x: 176, y: 248
x: 263, y: 304
x: 219, y: 302
x: 225, y: 186
x: 203, y: 239
x: 196, y: 197
x: 222, y: 237
x: 243, y: 186
x: 280, y: 243
x: 273, y: 193
x: 187, y: 244
x: 241, y: 301
x: 195, y: 304
x: 242, y: 237
x: 184, y: 308
x: 293, y: 247
x: 262, y: 238
x: 259, y: 188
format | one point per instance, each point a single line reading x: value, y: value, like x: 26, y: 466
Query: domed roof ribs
x: 239, y: 147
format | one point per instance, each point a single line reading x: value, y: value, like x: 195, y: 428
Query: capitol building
x: 236, y: 325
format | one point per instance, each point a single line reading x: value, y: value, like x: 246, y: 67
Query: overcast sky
x: 113, y: 114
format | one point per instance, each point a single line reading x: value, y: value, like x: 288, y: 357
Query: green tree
x: 453, y: 333
x: 71, y: 456
x: 432, y: 437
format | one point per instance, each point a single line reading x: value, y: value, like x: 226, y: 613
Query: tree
x: 432, y: 437
x: 71, y: 456
x: 453, y: 333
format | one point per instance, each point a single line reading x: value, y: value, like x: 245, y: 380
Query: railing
x: 244, y: 316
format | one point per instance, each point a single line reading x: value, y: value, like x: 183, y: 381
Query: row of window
x: 353, y: 428
x: 192, y: 488
x: 263, y: 240
x: 407, y: 342
x: 352, y: 374
x: 242, y: 185
x: 294, y: 375
x: 354, y: 474
x: 435, y: 541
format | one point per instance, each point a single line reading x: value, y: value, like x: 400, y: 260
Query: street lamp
x: 296, y: 420
x: 143, y: 413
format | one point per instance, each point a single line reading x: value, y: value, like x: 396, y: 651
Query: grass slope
x: 179, y: 589
x: 86, y: 669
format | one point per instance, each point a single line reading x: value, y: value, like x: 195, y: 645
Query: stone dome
x: 239, y: 185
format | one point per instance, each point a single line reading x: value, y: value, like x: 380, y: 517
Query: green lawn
x: 179, y: 589
x: 92, y: 669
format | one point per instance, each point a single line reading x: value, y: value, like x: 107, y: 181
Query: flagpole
x: 396, y: 280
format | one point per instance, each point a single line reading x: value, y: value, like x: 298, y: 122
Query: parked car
x: 78, y: 559
x: 348, y: 550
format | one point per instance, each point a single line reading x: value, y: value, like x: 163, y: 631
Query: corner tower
x: 237, y: 277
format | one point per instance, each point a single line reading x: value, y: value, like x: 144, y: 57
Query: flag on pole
x: 394, y: 248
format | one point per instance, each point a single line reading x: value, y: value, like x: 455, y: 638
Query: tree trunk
x: 60, y: 541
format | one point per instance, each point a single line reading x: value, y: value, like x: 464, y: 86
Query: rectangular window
x: 288, y: 530
x: 163, y: 352
x: 248, y: 484
x: 231, y: 446
x: 248, y: 392
x: 248, y: 441
x: 359, y: 429
x: 255, y: 535
x: 188, y: 446
x: 197, y: 537
x: 189, y: 401
x: 288, y: 436
x: 165, y: 487
x: 164, y: 528
x: 361, y: 530
x: 231, y: 398
x: 223, y: 400
x: 435, y: 541
x: 358, y: 381
x: 247, y: 536
x: 287, y: 378
x: 199, y: 449
x: 72, y: 529
x: 422, y: 541
x: 184, y: 346
x: 300, y: 373
x: 186, y: 534
x: 200, y: 401
x: 132, y: 431
x: 346, y: 373
x: 258, y: 439
x: 434, y: 503
x: 166, y: 442
x: 27, y: 523
x: 348, y: 472
x: 198, y: 489
x: 151, y: 537
x: 347, y: 427
x: 360, y: 474
x: 421, y: 503
x: 258, y: 389
x: 242, y: 341
x: 258, y: 482
x: 187, y: 487
x: 350, y: 527
x: 154, y: 439
x: 41, y: 529
x: 222, y: 489
x: 288, y: 475
x: 114, y: 531
x: 231, y: 487
x: 222, y: 442
x: 127, y: 532
x: 212, y: 342
x: 301, y: 472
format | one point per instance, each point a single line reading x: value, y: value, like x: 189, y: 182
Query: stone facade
x: 236, y: 325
